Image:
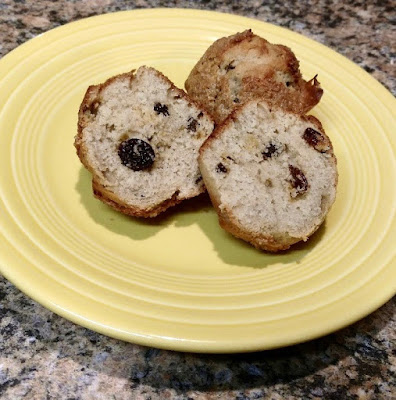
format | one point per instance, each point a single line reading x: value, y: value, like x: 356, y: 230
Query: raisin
x: 192, y: 124
x: 161, y: 109
x: 221, y: 168
x: 230, y: 66
x: 299, y: 181
x: 236, y: 100
x: 316, y: 140
x: 200, y: 115
x: 136, y: 154
x: 272, y: 149
x: 199, y: 179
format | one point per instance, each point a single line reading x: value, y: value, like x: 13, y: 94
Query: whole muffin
x: 243, y: 67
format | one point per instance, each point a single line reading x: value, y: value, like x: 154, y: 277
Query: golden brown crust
x: 261, y: 242
x: 244, y: 67
x: 230, y: 224
x: 113, y: 201
x: 85, y: 115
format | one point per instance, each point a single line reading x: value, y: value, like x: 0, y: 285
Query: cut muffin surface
x: 271, y: 175
x: 139, y: 136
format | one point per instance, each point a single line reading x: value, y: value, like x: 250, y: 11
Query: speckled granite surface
x: 43, y: 356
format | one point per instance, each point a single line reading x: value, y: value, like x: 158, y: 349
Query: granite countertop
x: 43, y: 356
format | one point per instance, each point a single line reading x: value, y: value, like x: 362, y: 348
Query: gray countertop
x: 43, y: 356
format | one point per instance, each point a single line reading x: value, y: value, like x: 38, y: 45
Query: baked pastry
x: 271, y: 175
x: 139, y: 136
x: 243, y: 67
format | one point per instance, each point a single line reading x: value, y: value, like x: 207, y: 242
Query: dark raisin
x: 136, y: 154
x: 288, y: 84
x: 299, y: 181
x: 199, y: 179
x: 200, y: 115
x: 236, y: 100
x: 272, y: 149
x: 221, y: 168
x: 192, y: 124
x: 161, y: 109
x: 230, y: 66
x: 177, y: 97
x: 316, y: 140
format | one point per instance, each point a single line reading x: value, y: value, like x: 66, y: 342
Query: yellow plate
x: 180, y: 282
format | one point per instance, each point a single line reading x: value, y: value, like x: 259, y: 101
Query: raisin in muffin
x: 243, y: 67
x: 270, y: 174
x: 139, y: 136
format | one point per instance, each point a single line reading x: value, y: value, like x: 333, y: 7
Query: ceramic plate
x: 180, y: 282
